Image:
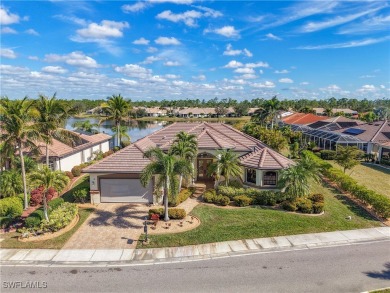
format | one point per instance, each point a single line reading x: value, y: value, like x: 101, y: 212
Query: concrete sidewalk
x: 92, y: 257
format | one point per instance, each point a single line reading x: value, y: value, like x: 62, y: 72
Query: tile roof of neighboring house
x: 265, y: 158
x: 378, y: 131
x: 336, y: 110
x: 335, y: 123
x: 209, y: 135
x: 303, y: 118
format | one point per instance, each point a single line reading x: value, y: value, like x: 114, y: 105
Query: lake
x: 137, y: 129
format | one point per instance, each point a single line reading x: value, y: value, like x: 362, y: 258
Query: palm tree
x: 227, y: 165
x: 295, y: 180
x: 49, y: 179
x: 123, y: 134
x: 117, y: 109
x: 271, y: 107
x: 185, y: 146
x: 11, y: 183
x: 19, y: 132
x: 167, y: 167
x: 50, y: 116
x: 328, y: 112
x: 85, y: 125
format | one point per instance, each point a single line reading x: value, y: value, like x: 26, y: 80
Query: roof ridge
x: 273, y: 154
x: 262, y: 157
x: 216, y: 139
x: 379, y: 130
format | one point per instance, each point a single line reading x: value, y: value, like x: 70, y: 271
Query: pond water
x: 136, y: 129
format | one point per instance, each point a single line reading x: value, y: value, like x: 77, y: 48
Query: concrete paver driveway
x: 112, y: 225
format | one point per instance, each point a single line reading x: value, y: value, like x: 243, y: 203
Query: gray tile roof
x: 209, y: 135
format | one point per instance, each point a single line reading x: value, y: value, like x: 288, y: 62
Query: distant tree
x: 221, y: 110
x: 241, y: 109
x: 328, y: 112
x: 86, y: 125
x: 348, y: 156
x: 368, y: 117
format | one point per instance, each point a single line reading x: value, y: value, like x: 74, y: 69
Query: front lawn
x: 219, y: 224
x: 371, y: 176
x: 81, y: 183
x: 11, y: 239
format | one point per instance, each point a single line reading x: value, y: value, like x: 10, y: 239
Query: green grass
x: 82, y: 182
x: 371, y: 176
x: 219, y: 224
x: 11, y: 239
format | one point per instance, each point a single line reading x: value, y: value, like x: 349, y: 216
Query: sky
x: 187, y: 49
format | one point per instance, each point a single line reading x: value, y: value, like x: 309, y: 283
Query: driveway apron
x: 112, y: 225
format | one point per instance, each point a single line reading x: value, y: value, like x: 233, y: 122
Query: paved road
x: 351, y: 268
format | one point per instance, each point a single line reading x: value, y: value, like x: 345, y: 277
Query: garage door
x: 125, y: 190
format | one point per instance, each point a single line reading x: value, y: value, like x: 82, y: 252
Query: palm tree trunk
x: 23, y: 176
x: 180, y: 182
x: 118, y: 139
x: 166, y: 192
x: 47, y: 154
x: 45, y: 206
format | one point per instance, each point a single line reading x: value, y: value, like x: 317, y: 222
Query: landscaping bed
x: 255, y: 222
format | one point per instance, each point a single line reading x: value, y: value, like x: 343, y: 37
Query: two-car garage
x: 125, y: 190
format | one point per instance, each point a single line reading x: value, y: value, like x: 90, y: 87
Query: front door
x: 203, y: 165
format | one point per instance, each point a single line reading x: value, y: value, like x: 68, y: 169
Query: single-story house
x: 301, y: 118
x: 321, y: 111
x: 64, y: 157
x: 117, y: 177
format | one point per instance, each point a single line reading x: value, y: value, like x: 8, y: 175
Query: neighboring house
x: 384, y: 151
x: 153, y: 111
x: 195, y: 112
x: 321, y: 111
x: 116, y: 178
x: 64, y: 157
x: 301, y: 118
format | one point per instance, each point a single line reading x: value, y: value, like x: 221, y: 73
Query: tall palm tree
x: 168, y: 167
x: 50, y: 116
x: 49, y: 179
x: 85, y: 125
x: 123, y: 134
x: 117, y: 109
x: 296, y: 179
x: 185, y: 146
x: 271, y: 107
x: 19, y: 132
x: 227, y: 165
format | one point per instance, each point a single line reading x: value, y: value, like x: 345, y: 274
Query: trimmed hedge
x: 182, y: 196
x: 259, y: 197
x: 10, y: 208
x: 76, y: 171
x: 242, y: 200
x: 210, y: 196
x: 173, y: 213
x: 379, y: 202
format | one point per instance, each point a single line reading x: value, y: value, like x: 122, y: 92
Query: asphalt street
x: 350, y: 268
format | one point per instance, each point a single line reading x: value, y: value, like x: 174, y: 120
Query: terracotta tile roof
x: 210, y: 136
x: 265, y: 158
x: 303, y: 119
x: 95, y: 138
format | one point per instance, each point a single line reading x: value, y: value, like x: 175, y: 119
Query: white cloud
x: 32, y: 32
x: 78, y: 59
x: 150, y: 60
x: 136, y: 7
x: 233, y: 64
x: 151, y: 50
x: 369, y: 25
x: 129, y: 81
x: 286, y: 80
x: 106, y: 29
x: 8, y: 30
x: 350, y: 44
x: 284, y: 71
x: 157, y: 78
x: 33, y: 57
x: 304, y: 83
x: 172, y: 63
x: 200, y: 77
x: 258, y: 64
x: 267, y: 84
x: 7, y: 17
x: 245, y: 70
x: 7, y: 53
x: 167, y: 41
x: 141, y: 41
x: 270, y: 36
x: 54, y: 69
x: 367, y: 76
x: 230, y: 52
x: 227, y: 31
x: 382, y: 86
x: 367, y: 88
x: 248, y: 76
x: 172, y: 1
x: 172, y: 76
x: 134, y: 70
x: 317, y: 26
x: 189, y: 17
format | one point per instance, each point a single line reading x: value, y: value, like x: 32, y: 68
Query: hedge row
x: 173, y: 213
x: 314, y: 204
x: 379, y: 202
x: 182, y: 196
x: 210, y: 196
x: 259, y: 197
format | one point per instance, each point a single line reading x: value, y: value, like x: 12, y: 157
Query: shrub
x: 328, y: 155
x: 230, y: 191
x: 69, y: 174
x: 267, y: 197
x: 54, y: 204
x: 289, y: 205
x: 173, y: 213
x: 182, y: 196
x: 76, y: 171
x: 80, y: 195
x: 304, y: 205
x: 108, y: 153
x: 232, y: 183
x: 61, y: 217
x: 117, y: 148
x: 37, y: 195
x: 34, y: 219
x: 317, y: 198
x: 242, y: 200
x: 11, y: 207
x: 223, y: 200
x: 209, y: 196
x: 318, y: 207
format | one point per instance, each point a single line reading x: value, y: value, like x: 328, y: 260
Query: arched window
x: 270, y: 178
